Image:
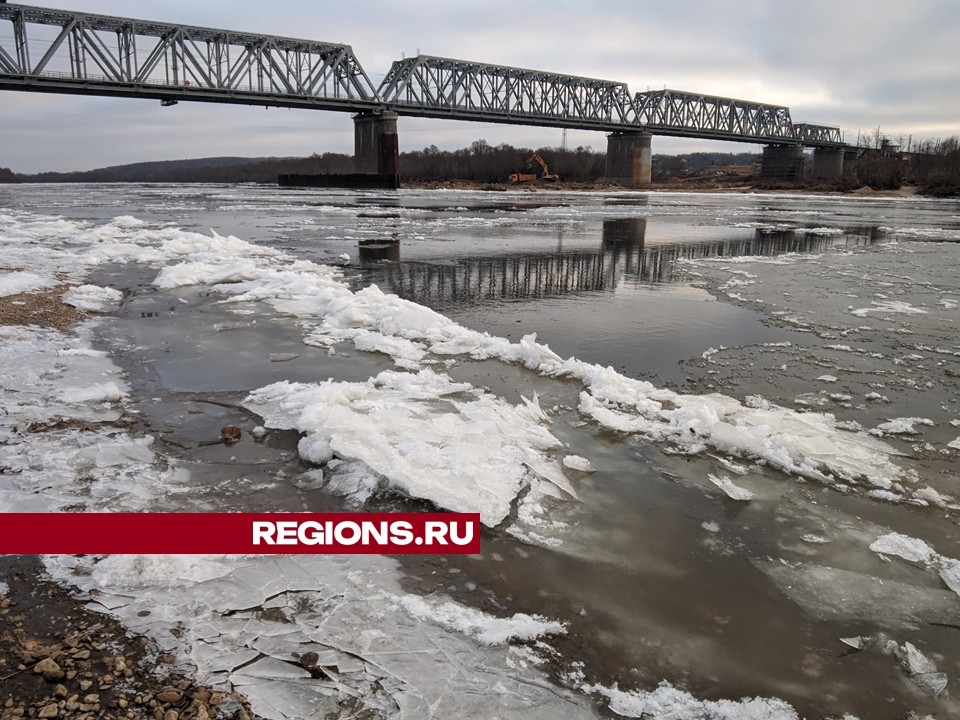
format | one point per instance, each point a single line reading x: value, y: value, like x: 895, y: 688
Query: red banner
x: 238, y: 533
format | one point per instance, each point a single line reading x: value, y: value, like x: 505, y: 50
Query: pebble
x: 49, y: 669
x: 169, y: 696
x: 49, y: 711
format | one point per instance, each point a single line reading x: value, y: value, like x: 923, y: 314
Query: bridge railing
x: 61, y: 46
x: 443, y: 87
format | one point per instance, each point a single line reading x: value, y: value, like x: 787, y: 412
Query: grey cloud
x: 856, y: 64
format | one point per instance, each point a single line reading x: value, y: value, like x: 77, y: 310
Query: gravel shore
x: 58, y: 659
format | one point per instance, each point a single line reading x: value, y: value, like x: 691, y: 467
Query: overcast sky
x: 858, y: 64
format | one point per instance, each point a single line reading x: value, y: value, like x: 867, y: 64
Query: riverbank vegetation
x: 933, y: 166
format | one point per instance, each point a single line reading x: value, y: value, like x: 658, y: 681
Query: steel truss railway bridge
x: 58, y: 51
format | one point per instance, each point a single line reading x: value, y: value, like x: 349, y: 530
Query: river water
x: 784, y: 523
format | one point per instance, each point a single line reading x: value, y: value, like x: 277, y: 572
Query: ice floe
x: 891, y: 307
x: 432, y: 438
x: 667, y: 702
x: 93, y: 298
x: 827, y: 593
x: 902, y: 426
x: 917, y: 551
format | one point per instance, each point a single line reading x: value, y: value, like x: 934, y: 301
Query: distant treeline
x: 933, y: 165
x: 481, y: 162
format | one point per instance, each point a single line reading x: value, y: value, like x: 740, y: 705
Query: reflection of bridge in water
x: 623, y: 254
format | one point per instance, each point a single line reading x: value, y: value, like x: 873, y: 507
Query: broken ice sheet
x: 459, y: 447
x: 922, y: 670
x: 917, y: 551
x: 827, y: 593
x: 337, y: 634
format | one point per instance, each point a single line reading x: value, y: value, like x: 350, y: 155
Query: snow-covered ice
x: 667, y: 702
x: 93, y: 298
x: 13, y: 283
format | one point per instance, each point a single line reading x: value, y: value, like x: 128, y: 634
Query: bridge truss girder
x: 673, y: 112
x: 122, y: 56
x: 430, y: 86
x: 814, y: 135
x: 74, y: 52
x: 443, y: 87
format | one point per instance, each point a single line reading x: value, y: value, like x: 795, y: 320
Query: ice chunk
x: 486, y: 629
x: 889, y: 307
x: 904, y: 547
x: 109, y: 454
x: 902, y: 426
x: 104, y: 392
x: 431, y: 438
x: 857, y: 643
x: 731, y: 489
x: 581, y: 464
x: 917, y: 551
x: 922, y: 670
x: 93, y: 298
x: 669, y: 702
x: 13, y: 283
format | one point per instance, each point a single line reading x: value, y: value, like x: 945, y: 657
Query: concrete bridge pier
x: 629, y: 158
x: 827, y: 163
x: 375, y: 145
x: 782, y: 162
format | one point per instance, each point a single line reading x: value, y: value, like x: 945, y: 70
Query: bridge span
x: 60, y: 51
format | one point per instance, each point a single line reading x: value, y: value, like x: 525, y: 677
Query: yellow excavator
x: 530, y: 177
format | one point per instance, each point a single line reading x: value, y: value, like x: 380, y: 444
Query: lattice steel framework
x: 818, y: 135
x: 442, y: 87
x: 73, y: 52
x: 673, y: 112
